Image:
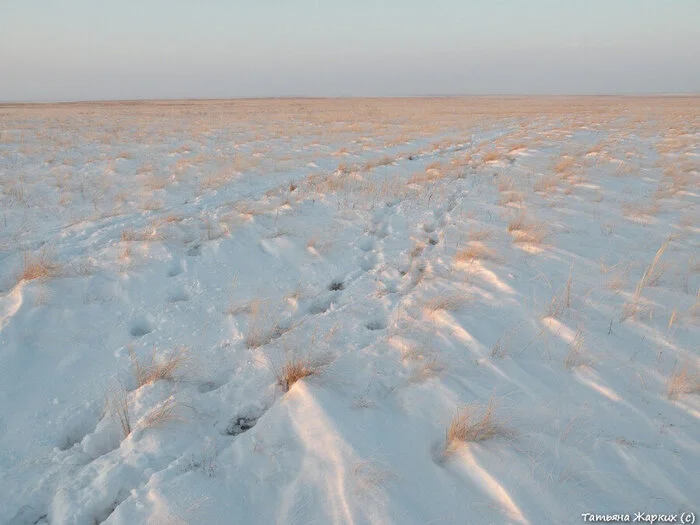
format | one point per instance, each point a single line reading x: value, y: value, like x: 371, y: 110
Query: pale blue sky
x: 105, y: 49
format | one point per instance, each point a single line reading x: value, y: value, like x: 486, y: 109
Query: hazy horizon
x: 81, y: 51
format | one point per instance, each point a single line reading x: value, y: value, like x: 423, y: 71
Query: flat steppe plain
x: 349, y: 311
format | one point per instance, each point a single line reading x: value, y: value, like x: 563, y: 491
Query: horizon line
x: 347, y: 97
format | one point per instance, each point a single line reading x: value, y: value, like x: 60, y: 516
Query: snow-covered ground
x: 529, y: 267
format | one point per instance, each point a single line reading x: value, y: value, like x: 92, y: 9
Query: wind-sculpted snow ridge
x: 349, y: 312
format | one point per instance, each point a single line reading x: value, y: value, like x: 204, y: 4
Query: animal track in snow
x: 336, y: 285
x: 208, y: 386
x: 195, y: 250
x: 320, y: 305
x: 175, y: 269
x: 366, y: 244
x: 140, y: 326
x: 368, y: 261
x: 243, y: 422
x: 376, y: 324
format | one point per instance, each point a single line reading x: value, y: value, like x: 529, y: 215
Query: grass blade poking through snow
x: 118, y: 408
x: 651, y: 275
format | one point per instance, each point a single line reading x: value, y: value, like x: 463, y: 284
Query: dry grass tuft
x: 505, y: 184
x: 125, y: 254
x: 425, y: 177
x: 526, y: 230
x: 518, y: 146
x: 163, y: 413
x: 510, y: 197
x: 447, y: 303
x: 263, y: 324
x: 614, y: 278
x: 575, y: 357
x: 158, y: 369
x: 118, y: 407
x: 491, y: 156
x: 297, y: 368
x: 683, y: 381
x: 128, y: 235
x: 148, y: 234
x: 472, y: 424
x: 426, y: 368
x: 40, y: 267
x: 480, y: 235
x: 545, y: 184
x: 565, y: 165
x: 650, y: 277
x: 561, y: 301
x: 640, y: 211
x: 384, y: 161
x: 417, y: 249
x: 474, y: 251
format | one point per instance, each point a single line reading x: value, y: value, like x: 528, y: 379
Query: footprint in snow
x: 176, y: 268
x: 366, y: 244
x: 208, y: 386
x: 140, y: 326
x: 376, y: 324
x: 336, y: 285
x: 368, y: 261
x: 178, y: 294
x: 320, y: 305
x: 243, y: 422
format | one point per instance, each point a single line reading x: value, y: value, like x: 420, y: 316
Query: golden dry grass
x: 426, y: 369
x: 480, y: 234
x: 640, y: 210
x: 564, y: 165
x: 157, y: 369
x: 510, y: 197
x: 651, y: 276
x: 546, y: 184
x: 505, y: 184
x: 128, y: 235
x: 161, y: 414
x: 295, y: 369
x: 263, y: 324
x: 614, y: 277
x: 117, y: 404
x: 448, y: 303
x: 418, y: 115
x: 114, y: 125
x: 525, y: 229
x: 683, y: 381
x: 473, y: 424
x: 38, y: 267
x: 474, y: 251
x: 576, y: 354
x: 384, y: 161
x: 491, y: 156
x: 425, y: 177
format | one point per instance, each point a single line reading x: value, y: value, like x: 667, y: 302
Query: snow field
x: 362, y: 311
